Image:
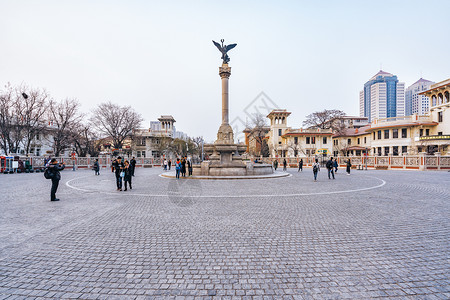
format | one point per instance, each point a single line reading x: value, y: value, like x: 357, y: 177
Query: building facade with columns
x: 439, y: 138
x: 284, y: 141
x: 150, y: 142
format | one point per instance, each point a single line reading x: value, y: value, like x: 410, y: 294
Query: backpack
x: 315, y: 169
x: 48, y: 174
x: 329, y: 164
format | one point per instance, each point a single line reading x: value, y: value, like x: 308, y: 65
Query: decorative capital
x: 225, y: 71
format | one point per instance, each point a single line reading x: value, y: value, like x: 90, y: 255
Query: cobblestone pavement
x: 374, y: 234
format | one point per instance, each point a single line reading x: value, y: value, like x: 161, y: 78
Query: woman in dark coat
x: 349, y: 165
x: 128, y: 169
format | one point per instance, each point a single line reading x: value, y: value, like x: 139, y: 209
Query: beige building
x: 284, y: 141
x: 439, y: 137
x: 399, y: 135
x: 151, y: 142
x: 352, y: 141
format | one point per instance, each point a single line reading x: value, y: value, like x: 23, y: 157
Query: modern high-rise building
x: 415, y: 103
x: 383, y: 97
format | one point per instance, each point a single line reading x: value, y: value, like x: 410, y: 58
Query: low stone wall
x: 410, y: 162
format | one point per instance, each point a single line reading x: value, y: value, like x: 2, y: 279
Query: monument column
x: 225, y: 72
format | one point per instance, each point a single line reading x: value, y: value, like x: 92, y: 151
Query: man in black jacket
x: 330, y: 169
x: 117, y: 168
x: 54, y: 169
x: 132, y: 165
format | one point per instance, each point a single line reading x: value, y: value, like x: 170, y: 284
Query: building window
x: 349, y: 141
x: 141, y: 142
x: 395, y: 133
x: 386, y: 151
x: 38, y: 152
x: 280, y: 132
x: 365, y: 140
x: 358, y: 141
x: 421, y: 132
x: 324, y: 140
x: 440, y: 117
x: 440, y: 133
x: 395, y: 150
x: 295, y: 153
x: 404, y: 133
x: 379, y: 134
x: 313, y: 140
x: 404, y: 149
x: 386, y: 134
x: 427, y: 132
x: 379, y: 151
x: 374, y: 135
x: 38, y: 137
x: 295, y: 140
x: 308, y: 139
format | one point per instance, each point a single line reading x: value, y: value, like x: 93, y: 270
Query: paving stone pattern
x: 285, y: 238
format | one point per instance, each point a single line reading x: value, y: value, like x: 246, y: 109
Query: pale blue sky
x: 158, y: 56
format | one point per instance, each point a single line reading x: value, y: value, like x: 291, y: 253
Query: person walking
x: 132, y: 165
x: 128, y: 169
x: 316, y: 169
x: 284, y: 164
x: 183, y: 167
x: 178, y: 168
x: 165, y: 164
x: 55, y: 175
x: 300, y: 165
x: 275, y: 164
x: 349, y: 165
x: 169, y: 164
x: 97, y: 167
x: 117, y: 168
x: 189, y: 163
x: 330, y: 168
x: 335, y: 165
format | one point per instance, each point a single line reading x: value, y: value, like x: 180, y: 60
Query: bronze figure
x: 224, y: 49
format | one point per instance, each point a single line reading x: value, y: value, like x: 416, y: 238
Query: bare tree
x: 29, y: 107
x: 65, y: 119
x: 85, y: 140
x: 116, y: 122
x: 258, y: 131
x: 341, y: 146
x: 164, y: 145
x: 6, y: 119
x: 326, y: 119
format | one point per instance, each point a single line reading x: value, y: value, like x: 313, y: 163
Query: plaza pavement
x: 374, y: 234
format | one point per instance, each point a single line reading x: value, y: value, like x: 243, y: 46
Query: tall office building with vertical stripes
x: 415, y: 103
x: 383, y: 96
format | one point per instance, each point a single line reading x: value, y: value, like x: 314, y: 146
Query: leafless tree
x: 340, y: 146
x: 258, y: 130
x: 65, y: 119
x: 116, y: 122
x: 326, y: 119
x: 86, y: 141
x: 6, y: 119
